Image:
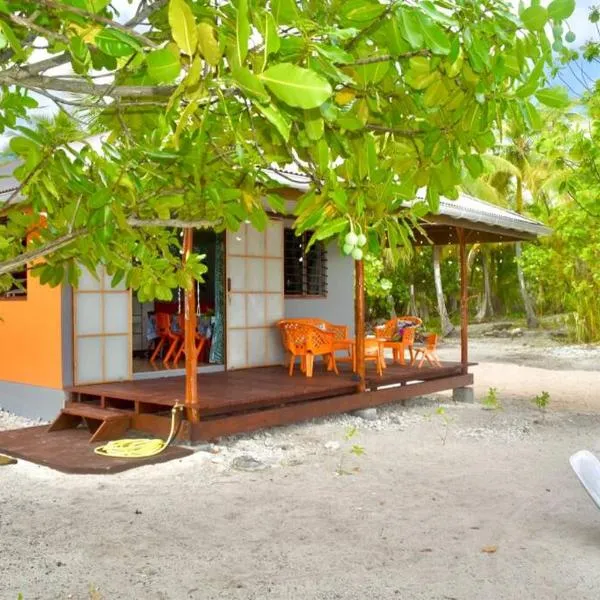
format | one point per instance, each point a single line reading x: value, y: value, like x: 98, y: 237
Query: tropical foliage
x: 202, y: 107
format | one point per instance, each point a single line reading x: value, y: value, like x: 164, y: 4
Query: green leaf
x: 360, y: 11
x: 555, y: 97
x: 92, y: 6
x: 533, y: 117
x: 116, y: 43
x: 296, y: 86
x: 534, y: 18
x: 183, y: 26
x: 250, y: 83
x: 396, y: 42
x: 208, y: 45
x: 277, y: 118
x: 561, y: 9
x: 330, y: 228
x: 9, y: 34
x: 474, y: 164
x: 434, y: 36
x: 314, y: 123
x: 284, y: 11
x: 163, y: 65
x: 372, y: 73
x: 242, y: 32
x: 322, y: 155
x: 409, y: 28
x: 81, y: 59
x: 272, y: 41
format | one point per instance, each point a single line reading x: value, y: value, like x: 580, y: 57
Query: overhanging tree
x: 370, y: 100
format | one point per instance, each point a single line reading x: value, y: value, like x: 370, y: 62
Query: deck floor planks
x: 250, y: 389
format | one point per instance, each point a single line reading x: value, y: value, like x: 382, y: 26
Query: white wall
x: 338, y: 306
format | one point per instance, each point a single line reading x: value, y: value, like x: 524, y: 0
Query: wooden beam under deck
x: 210, y: 429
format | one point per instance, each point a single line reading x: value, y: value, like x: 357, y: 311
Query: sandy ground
x: 466, y: 504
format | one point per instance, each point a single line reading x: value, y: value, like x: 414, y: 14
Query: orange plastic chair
x: 390, y: 329
x: 428, y: 351
x: 166, y: 336
x: 341, y: 341
x: 374, y: 352
x: 306, y: 341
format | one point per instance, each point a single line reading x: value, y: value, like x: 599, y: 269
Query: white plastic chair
x: 587, y: 469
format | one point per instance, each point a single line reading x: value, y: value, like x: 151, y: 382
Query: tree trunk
x: 445, y: 324
x: 532, y: 320
x: 412, y: 303
x: 486, y: 309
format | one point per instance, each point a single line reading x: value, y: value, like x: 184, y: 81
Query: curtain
x: 217, y: 345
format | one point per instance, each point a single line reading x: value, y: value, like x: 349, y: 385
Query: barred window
x: 305, y: 272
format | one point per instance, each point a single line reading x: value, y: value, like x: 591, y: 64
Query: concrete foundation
x: 31, y: 401
x: 464, y: 394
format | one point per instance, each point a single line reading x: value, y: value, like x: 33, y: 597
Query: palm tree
x: 515, y: 163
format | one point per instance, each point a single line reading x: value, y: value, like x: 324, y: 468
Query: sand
x: 459, y: 503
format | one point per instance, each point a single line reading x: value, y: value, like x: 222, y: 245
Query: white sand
x: 430, y: 493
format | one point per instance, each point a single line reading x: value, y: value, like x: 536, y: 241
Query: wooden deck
x: 69, y: 451
x: 236, y: 401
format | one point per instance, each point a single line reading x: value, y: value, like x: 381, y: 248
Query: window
x: 305, y: 272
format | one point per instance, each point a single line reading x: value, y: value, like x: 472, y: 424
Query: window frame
x: 303, y: 240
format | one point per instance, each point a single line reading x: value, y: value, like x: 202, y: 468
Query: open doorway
x: 157, y: 327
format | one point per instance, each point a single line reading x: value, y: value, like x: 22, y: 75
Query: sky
x: 569, y: 76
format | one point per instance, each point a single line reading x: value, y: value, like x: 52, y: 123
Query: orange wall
x: 30, y: 337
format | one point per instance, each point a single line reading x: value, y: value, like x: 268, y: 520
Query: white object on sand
x: 587, y: 468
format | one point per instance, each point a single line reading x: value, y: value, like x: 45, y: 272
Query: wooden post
x: 359, y: 322
x: 464, y: 302
x: 189, y: 339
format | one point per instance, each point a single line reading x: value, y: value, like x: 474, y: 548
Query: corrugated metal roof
x: 473, y: 210
x: 466, y: 208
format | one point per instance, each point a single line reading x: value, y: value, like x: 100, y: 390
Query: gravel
x: 10, y: 421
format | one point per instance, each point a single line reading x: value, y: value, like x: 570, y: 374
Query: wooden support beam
x: 189, y: 339
x: 464, y: 302
x: 213, y: 428
x: 359, y: 322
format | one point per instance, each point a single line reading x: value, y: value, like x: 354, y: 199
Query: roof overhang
x: 482, y: 223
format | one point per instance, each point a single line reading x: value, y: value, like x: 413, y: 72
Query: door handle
x: 229, y: 285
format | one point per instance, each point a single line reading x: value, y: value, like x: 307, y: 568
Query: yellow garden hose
x: 140, y: 447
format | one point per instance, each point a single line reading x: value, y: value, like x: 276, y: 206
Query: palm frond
x: 498, y: 164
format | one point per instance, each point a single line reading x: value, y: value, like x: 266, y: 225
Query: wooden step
x: 104, y: 423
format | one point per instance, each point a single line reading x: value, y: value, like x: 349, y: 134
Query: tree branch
x: 127, y: 29
x: 370, y: 60
x: 24, y: 22
x: 84, y: 87
x: 15, y: 264
x: 199, y: 224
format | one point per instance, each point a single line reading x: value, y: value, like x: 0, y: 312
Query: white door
x: 102, y: 330
x: 254, y: 272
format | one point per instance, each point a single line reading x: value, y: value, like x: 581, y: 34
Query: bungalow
x: 96, y: 345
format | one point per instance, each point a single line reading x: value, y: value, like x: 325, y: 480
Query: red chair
x: 165, y: 337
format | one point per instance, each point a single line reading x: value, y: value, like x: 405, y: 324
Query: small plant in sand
x: 446, y: 422
x: 349, y: 448
x: 542, y: 401
x: 490, y: 401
